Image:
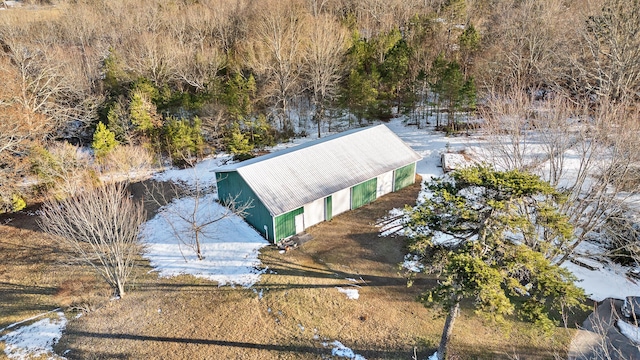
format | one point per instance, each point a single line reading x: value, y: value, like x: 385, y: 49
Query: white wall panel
x: 341, y: 201
x: 314, y: 213
x: 385, y: 184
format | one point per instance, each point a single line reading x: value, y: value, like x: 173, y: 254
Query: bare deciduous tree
x: 587, y: 152
x: 324, y: 62
x: 607, y: 61
x: 191, y: 211
x: 522, y: 44
x: 19, y: 128
x: 198, y: 68
x: 153, y: 56
x: 276, y: 54
x: 101, y: 228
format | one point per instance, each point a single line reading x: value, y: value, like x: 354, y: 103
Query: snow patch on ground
x: 202, y: 175
x: 454, y: 161
x: 603, y: 283
x: 230, y: 246
x: 630, y: 331
x: 393, y: 224
x: 351, y: 294
x: 431, y: 145
x: 434, y: 356
x: 35, y: 340
x: 342, y: 351
x: 412, y: 263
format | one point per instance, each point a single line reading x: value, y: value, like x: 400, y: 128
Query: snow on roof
x: 288, y: 179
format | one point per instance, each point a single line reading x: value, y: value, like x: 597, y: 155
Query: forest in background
x: 177, y: 80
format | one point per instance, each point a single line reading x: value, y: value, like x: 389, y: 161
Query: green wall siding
x: 232, y: 184
x: 364, y: 193
x: 404, y: 176
x: 286, y: 224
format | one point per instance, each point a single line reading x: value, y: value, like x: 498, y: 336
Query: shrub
x: 18, y: 203
x: 104, y: 141
x: 62, y: 170
x: 128, y: 159
x: 142, y: 112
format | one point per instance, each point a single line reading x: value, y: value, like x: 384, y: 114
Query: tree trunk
x: 120, y: 288
x: 198, y: 251
x: 437, y: 106
x: 448, y: 329
x: 319, y: 113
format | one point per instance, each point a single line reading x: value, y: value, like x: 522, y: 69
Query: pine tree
x: 238, y: 144
x: 489, y: 236
x: 469, y: 42
x: 361, y: 94
x: 117, y: 124
x: 104, y: 140
x: 237, y: 96
x: 183, y: 139
x: 142, y: 112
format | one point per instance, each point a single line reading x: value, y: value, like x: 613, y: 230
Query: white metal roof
x: 288, y: 179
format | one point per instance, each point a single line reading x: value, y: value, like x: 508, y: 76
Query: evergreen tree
x: 117, y: 123
x: 395, y: 71
x: 238, y: 96
x: 361, y: 94
x: 469, y: 42
x: 104, y: 140
x: 238, y: 144
x: 115, y: 78
x: 183, y: 140
x: 452, y: 83
x: 450, y: 87
x: 489, y: 236
x: 142, y: 112
x: 261, y: 134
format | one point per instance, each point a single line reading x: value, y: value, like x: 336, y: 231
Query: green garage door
x: 328, y: 208
x: 404, y: 176
x: 364, y: 193
x: 286, y: 224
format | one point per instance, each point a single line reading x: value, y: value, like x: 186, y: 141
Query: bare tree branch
x: 192, y: 211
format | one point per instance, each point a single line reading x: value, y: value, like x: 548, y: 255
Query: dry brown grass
x: 31, y: 13
x: 299, y: 309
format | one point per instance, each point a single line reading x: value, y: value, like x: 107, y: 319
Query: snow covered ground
x: 628, y: 330
x: 203, y: 174
x: 231, y: 247
x: 341, y: 351
x: 610, y: 281
x: 35, y: 340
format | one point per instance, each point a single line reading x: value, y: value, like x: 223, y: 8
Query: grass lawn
x: 294, y: 312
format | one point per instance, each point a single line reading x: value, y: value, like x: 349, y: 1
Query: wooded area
x: 185, y: 78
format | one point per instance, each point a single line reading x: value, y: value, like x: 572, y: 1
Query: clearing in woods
x: 297, y: 310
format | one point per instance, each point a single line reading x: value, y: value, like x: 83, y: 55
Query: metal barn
x: 293, y: 189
